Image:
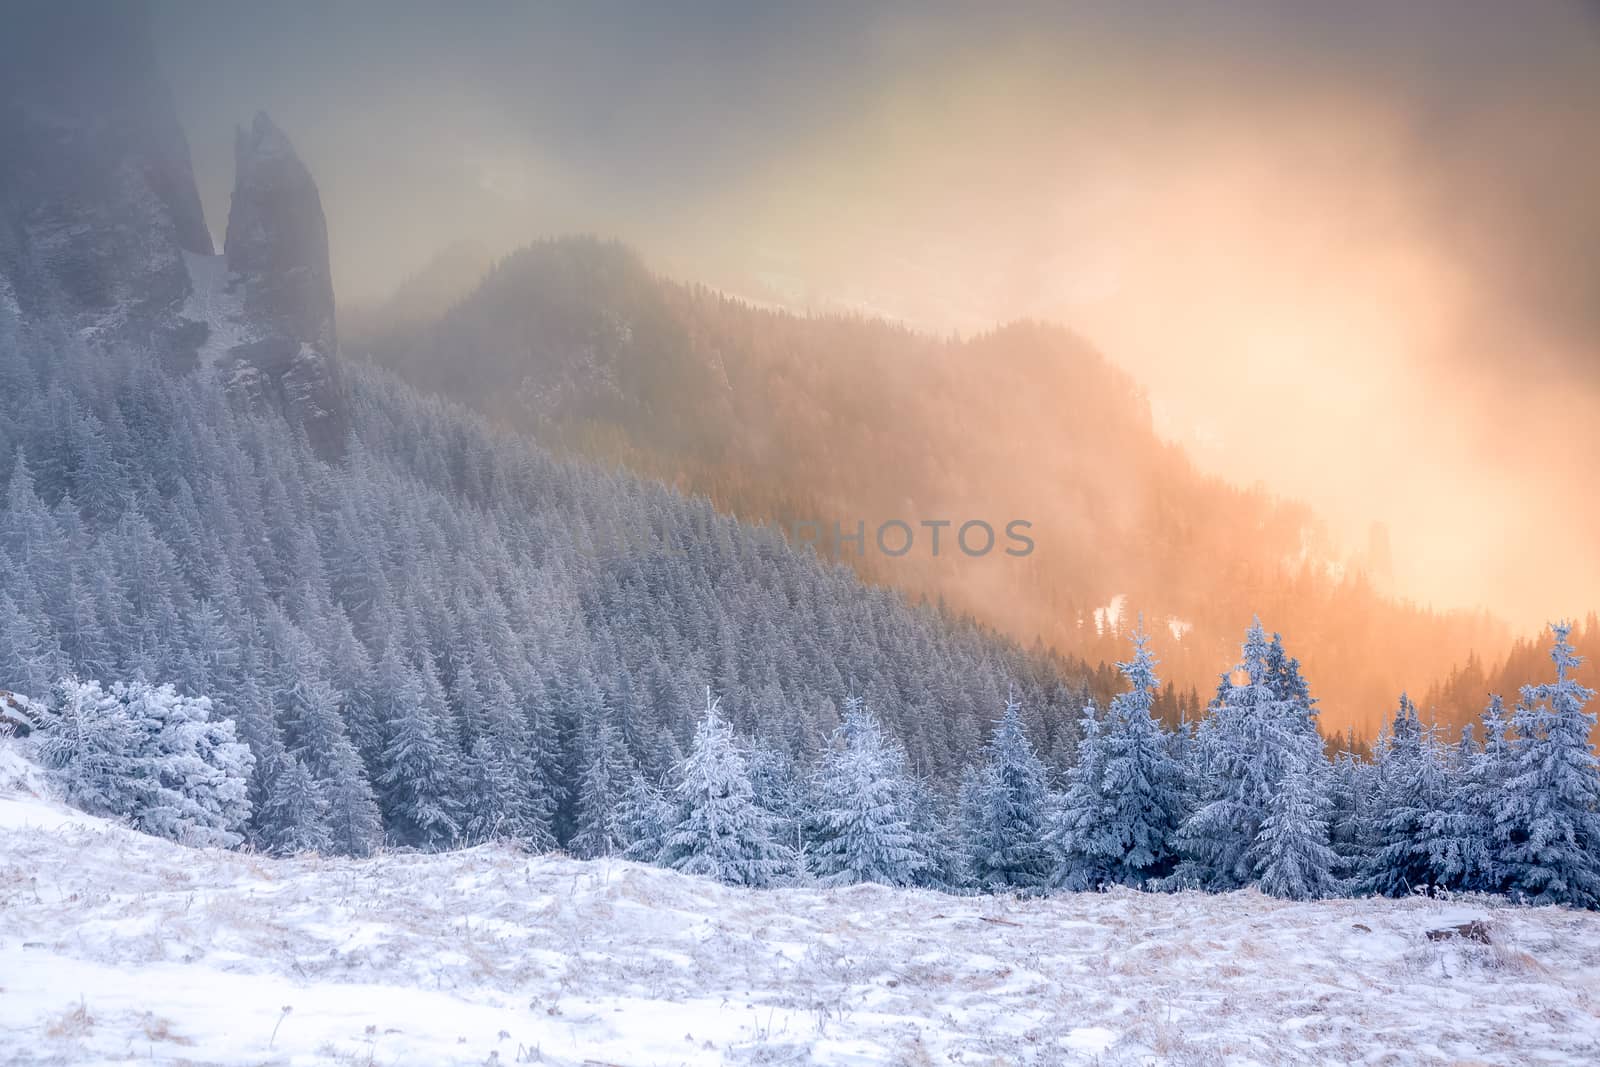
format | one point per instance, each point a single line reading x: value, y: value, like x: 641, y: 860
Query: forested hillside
x: 858, y: 421
x: 1457, y: 697
x: 447, y: 627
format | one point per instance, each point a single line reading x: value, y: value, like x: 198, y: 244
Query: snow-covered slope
x: 219, y: 304
x: 116, y: 946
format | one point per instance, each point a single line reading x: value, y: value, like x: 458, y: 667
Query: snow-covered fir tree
x: 1083, y: 852
x: 933, y: 825
x: 862, y: 825
x: 91, y: 744
x: 295, y: 813
x: 1411, y: 795
x: 1548, y: 824
x: 150, y: 755
x: 599, y: 827
x: 782, y: 787
x: 197, y: 771
x: 418, y: 779
x: 645, y: 815
x: 720, y: 831
x: 1004, y: 809
x: 1287, y: 681
x: 1291, y: 854
x: 1124, y: 800
x: 494, y: 807
x: 27, y: 654
x: 355, y: 827
x: 1460, y: 837
x: 1257, y: 732
x: 1352, y: 793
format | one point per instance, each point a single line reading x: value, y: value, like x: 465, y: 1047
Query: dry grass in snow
x: 117, y: 948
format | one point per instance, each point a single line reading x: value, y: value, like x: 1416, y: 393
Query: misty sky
x: 1352, y: 249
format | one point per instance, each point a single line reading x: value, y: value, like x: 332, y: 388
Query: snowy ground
x: 118, y: 947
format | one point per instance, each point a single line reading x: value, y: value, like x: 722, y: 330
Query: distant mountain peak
x: 278, y: 236
x: 266, y: 141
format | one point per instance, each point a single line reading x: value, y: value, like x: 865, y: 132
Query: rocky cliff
x: 101, y: 228
x: 97, y: 195
x: 277, y: 262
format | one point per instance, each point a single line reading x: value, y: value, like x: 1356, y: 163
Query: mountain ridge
x: 790, y: 418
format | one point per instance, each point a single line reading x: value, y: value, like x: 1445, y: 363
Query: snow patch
x: 1108, y: 620
x: 30, y: 803
x: 1090, y: 1039
x: 19, y: 778
x: 217, y: 301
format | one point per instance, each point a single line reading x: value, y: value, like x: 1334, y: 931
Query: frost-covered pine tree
x: 495, y: 795
x: 597, y: 821
x: 645, y: 815
x: 1288, y: 683
x: 1352, y: 788
x: 1004, y: 807
x: 316, y: 735
x: 861, y: 825
x: 1084, y: 853
x: 784, y: 792
x: 1412, y: 792
x: 934, y: 829
x: 1124, y: 802
x: 294, y: 813
x: 720, y: 831
x: 1460, y: 836
x: 355, y: 827
x: 196, y: 772
x: 149, y: 755
x: 90, y: 744
x: 541, y: 770
x: 418, y: 781
x: 27, y: 659
x: 1252, y: 738
x: 1291, y: 852
x: 1548, y: 823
